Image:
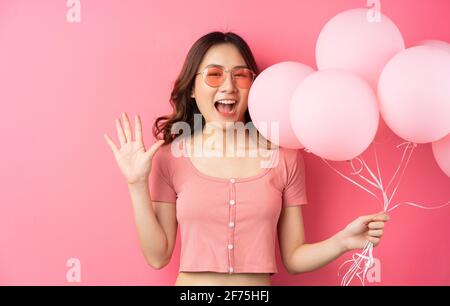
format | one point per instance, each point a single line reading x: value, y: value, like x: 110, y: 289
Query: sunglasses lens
x: 214, y: 76
x: 243, y: 78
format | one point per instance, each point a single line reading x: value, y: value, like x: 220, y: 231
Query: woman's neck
x: 228, y: 142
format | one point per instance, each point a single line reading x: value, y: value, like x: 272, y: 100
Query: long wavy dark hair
x: 183, y: 105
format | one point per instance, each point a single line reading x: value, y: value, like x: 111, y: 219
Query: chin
x: 224, y: 124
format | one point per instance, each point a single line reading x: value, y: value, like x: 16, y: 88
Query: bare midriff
x: 222, y: 279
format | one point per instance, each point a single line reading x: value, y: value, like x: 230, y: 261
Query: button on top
x: 232, y: 180
x: 231, y: 269
x: 232, y: 202
x: 230, y: 246
x: 231, y: 224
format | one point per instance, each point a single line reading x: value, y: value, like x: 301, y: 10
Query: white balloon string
x: 362, y: 176
x: 356, y: 269
x: 378, y: 167
x: 404, y: 168
x: 364, y: 262
x: 349, y: 179
x: 408, y: 144
x: 417, y: 205
x: 380, y: 180
x: 361, y: 262
x: 355, y: 172
x: 378, y: 184
x: 360, y: 170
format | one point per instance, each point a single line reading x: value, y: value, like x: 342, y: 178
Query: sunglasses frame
x: 226, y: 71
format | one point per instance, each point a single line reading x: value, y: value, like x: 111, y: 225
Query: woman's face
x: 207, y: 97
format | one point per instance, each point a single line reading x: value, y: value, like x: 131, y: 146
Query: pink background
x: 62, y: 85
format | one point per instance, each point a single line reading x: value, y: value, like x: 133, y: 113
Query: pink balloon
x: 436, y: 43
x: 334, y: 113
x: 269, y: 100
x: 414, y: 94
x: 353, y: 41
x: 441, y: 152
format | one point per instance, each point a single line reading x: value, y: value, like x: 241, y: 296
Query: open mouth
x: 225, y: 106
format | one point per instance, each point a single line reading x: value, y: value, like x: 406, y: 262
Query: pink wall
x: 62, y: 85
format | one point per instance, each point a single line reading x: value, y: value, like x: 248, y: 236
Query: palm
x: 133, y: 162
x: 132, y: 158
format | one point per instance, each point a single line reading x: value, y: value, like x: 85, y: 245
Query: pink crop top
x: 228, y: 225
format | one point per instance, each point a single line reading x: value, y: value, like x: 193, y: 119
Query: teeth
x: 227, y: 101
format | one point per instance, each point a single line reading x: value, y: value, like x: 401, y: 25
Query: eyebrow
x: 216, y: 65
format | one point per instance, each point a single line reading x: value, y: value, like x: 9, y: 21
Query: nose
x: 228, y: 85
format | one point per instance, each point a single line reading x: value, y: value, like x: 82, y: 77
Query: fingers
x: 138, y: 130
x: 127, y: 127
x: 155, y: 147
x: 124, y: 130
x: 381, y: 216
x: 376, y: 225
x: 376, y: 233
x: 374, y: 240
x: 120, y: 133
x: 111, y: 144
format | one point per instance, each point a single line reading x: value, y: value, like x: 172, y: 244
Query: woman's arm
x: 156, y: 225
x: 299, y: 256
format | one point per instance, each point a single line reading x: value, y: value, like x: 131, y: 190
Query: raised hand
x: 133, y: 159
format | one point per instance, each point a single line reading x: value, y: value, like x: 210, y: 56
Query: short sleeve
x: 294, y: 192
x: 161, y: 187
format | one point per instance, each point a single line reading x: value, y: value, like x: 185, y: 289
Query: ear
x: 192, y: 93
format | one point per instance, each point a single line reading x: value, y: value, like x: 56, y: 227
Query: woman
x: 230, y: 206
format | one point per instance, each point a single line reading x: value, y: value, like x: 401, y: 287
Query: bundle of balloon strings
x: 362, y: 261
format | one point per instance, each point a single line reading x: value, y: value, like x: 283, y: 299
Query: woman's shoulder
x: 290, y: 153
x: 168, y: 158
x: 290, y: 158
x: 165, y: 152
x: 285, y: 153
x: 173, y: 151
